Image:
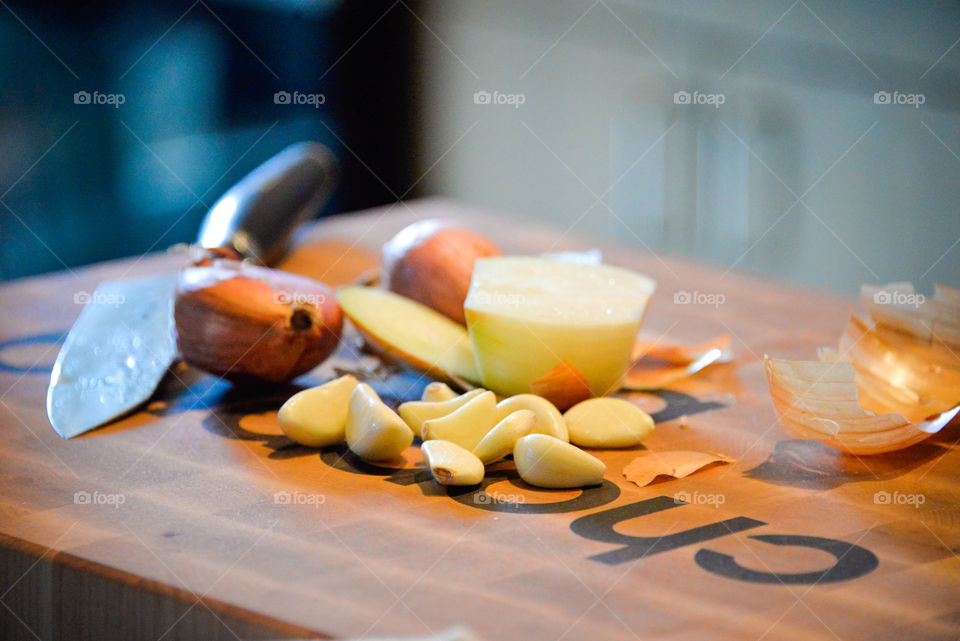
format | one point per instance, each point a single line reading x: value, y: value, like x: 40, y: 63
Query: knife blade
x: 122, y: 344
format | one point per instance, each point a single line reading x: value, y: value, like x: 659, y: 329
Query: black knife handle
x: 257, y: 215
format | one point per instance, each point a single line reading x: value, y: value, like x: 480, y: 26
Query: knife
x: 123, y: 342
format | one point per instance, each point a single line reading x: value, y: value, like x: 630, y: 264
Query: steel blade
x: 115, y: 355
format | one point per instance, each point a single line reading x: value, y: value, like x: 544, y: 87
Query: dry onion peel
x: 678, y: 354
x: 895, y: 372
x: 908, y: 361
x: 890, y: 384
x: 658, y: 364
x: 644, y: 375
x: 931, y: 321
x: 678, y: 464
x: 564, y: 386
x: 818, y: 400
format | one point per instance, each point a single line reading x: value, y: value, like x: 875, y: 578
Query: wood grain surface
x: 197, y: 519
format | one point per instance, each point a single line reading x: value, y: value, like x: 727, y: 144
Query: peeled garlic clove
x: 499, y: 441
x: 317, y: 417
x: 437, y: 392
x: 549, y: 419
x: 548, y: 462
x: 374, y: 432
x: 416, y: 412
x: 240, y: 321
x: 465, y: 426
x: 450, y: 464
x: 607, y: 422
x: 431, y: 262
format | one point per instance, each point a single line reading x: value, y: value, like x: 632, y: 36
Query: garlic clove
x: 499, y: 441
x: 416, y: 412
x: 451, y: 464
x: 467, y: 425
x: 545, y: 461
x: 437, y: 392
x: 317, y: 417
x: 607, y: 422
x: 549, y: 419
x: 374, y: 432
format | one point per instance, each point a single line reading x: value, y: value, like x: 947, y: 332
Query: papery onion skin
x: 243, y: 322
x: 907, y: 360
x: 818, y: 401
x: 890, y: 384
x: 932, y: 321
x: 564, y: 386
x: 898, y: 373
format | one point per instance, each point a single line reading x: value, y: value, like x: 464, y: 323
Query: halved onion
x: 891, y: 383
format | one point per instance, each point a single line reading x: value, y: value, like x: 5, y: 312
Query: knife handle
x: 257, y: 215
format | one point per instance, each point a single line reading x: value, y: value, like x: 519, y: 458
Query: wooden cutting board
x: 197, y: 519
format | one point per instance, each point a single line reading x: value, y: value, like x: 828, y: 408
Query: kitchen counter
x: 195, y: 518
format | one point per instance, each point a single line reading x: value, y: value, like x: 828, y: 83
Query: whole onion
x: 431, y: 261
x: 242, y: 322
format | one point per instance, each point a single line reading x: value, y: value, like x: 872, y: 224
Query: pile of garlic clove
x: 463, y: 433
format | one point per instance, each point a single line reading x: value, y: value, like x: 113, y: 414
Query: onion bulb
x: 431, y: 262
x: 241, y: 322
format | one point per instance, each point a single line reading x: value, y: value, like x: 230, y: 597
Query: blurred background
x: 810, y: 141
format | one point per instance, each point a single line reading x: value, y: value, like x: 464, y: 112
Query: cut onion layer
x: 892, y: 383
x: 933, y: 321
x: 818, y: 400
x: 908, y: 361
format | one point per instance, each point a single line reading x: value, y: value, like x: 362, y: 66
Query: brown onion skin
x: 243, y: 322
x: 431, y: 262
